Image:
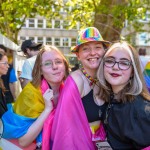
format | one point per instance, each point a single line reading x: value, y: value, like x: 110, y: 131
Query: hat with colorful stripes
x: 88, y: 35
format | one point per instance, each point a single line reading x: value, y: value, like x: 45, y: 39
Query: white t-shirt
x: 27, y: 68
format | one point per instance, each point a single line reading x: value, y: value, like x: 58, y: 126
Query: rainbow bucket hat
x: 88, y: 35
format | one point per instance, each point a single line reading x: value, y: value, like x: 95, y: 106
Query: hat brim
x: 76, y: 48
x: 35, y: 45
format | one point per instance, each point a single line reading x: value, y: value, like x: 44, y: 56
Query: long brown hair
x: 2, y: 54
x: 36, y: 73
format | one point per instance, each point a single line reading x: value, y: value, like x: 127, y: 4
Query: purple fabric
x: 71, y: 130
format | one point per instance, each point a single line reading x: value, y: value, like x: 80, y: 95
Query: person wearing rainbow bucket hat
x: 78, y: 114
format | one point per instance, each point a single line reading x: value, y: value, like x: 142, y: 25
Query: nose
x: 54, y: 65
x: 116, y: 65
x: 92, y: 51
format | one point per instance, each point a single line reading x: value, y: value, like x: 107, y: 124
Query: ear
x: 132, y: 74
x: 28, y: 51
x: 77, y: 54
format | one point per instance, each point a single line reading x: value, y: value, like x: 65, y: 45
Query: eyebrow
x: 119, y: 59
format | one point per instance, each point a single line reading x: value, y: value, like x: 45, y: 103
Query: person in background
x: 78, y: 114
x: 38, y: 99
x: 144, y: 58
x: 122, y: 85
x: 9, y: 81
x: 76, y: 67
x: 3, y: 70
x: 30, y: 49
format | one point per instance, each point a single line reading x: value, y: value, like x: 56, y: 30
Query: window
x: 22, y: 38
x: 31, y: 23
x: 57, y: 24
x: 57, y: 42
x: 65, y: 42
x: 40, y: 40
x: 65, y: 24
x: 73, y: 42
x: 40, y: 23
x: 31, y: 38
x: 49, y: 40
x: 48, y: 24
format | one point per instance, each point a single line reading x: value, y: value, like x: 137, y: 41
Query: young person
x: 30, y: 49
x: 37, y: 100
x: 3, y: 71
x: 122, y: 85
x: 9, y: 81
x: 77, y: 118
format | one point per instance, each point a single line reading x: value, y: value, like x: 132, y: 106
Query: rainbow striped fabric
x: 147, y: 75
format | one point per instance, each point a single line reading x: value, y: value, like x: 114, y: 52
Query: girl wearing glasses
x: 127, y: 117
x: 3, y: 70
x: 38, y: 99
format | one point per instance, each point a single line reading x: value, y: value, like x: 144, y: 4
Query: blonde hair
x: 136, y: 85
x: 37, y: 72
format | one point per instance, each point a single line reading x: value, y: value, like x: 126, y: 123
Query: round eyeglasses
x: 122, y: 65
x: 49, y: 63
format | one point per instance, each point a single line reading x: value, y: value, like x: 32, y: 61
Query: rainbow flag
x: 147, y: 75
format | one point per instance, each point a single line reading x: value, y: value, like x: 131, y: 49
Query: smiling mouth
x: 114, y: 75
x: 92, y: 59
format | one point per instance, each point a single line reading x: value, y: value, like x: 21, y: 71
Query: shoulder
x: 32, y: 59
x: 142, y: 107
x: 78, y: 79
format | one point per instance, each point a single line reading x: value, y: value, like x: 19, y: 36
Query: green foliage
x: 107, y: 15
x: 14, y: 12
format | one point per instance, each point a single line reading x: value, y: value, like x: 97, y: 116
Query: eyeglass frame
x: 117, y: 62
x: 5, y: 63
x: 52, y: 63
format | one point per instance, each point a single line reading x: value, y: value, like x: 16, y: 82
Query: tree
x: 13, y: 14
x: 109, y: 16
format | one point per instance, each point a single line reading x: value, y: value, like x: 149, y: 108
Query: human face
x: 53, y: 67
x: 4, y: 65
x: 90, y: 55
x: 117, y: 76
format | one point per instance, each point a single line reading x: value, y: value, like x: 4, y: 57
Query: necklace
x: 92, y: 80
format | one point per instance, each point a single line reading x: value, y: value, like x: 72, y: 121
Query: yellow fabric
x: 94, y: 128
x: 30, y: 102
x: 147, y: 66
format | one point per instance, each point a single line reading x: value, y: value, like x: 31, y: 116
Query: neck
x: 55, y: 88
x: 92, y: 79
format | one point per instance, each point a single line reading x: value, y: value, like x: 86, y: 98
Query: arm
x: 37, y: 126
x: 13, y: 89
x: 23, y: 82
x: 12, y: 82
x: 26, y: 74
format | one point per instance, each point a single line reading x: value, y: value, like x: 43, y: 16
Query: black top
x: 128, y: 124
x: 8, y: 96
x: 92, y: 110
x: 3, y: 106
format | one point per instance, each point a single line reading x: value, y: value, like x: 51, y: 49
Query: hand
x: 48, y: 97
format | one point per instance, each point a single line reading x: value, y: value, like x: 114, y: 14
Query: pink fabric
x: 44, y: 86
x: 70, y: 128
x: 47, y: 131
x: 147, y: 148
x: 48, y: 123
x: 100, y: 134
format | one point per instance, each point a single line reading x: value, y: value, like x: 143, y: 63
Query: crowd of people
x: 103, y: 104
